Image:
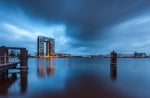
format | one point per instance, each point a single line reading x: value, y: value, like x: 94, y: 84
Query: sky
x: 78, y: 26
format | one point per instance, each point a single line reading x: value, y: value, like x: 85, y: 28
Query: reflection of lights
x: 45, y: 70
x: 41, y: 71
x: 50, y: 70
x: 41, y: 68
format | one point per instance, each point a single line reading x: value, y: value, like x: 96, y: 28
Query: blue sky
x: 81, y: 27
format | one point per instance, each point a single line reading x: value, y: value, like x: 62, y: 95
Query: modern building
x: 50, y: 46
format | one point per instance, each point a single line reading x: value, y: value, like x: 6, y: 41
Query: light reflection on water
x: 80, y: 78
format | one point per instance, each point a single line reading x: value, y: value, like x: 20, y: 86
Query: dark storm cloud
x: 85, y: 19
x: 88, y: 23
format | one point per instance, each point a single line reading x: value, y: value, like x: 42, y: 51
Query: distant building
x: 139, y: 55
x: 50, y: 44
x: 120, y: 55
x: 62, y: 55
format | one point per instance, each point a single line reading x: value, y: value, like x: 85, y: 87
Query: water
x: 80, y: 78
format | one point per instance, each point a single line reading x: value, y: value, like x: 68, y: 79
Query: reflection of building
x: 9, y: 82
x: 50, y: 44
x: 6, y: 83
x: 47, y: 70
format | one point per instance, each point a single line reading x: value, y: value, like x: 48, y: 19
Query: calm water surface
x: 80, y: 78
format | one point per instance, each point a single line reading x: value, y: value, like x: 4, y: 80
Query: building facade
x: 50, y: 46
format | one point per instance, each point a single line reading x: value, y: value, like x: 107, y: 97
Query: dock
x: 7, y: 66
x: 9, y: 60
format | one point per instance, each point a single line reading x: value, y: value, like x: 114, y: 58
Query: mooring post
x: 113, y: 58
x: 4, y: 60
x: 23, y: 60
x: 113, y: 65
x: 3, y: 54
x: 6, y: 70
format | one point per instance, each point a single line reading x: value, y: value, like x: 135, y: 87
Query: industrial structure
x: 8, y: 62
x: 50, y: 44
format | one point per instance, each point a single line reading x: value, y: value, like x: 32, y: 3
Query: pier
x: 8, y: 62
x: 7, y: 66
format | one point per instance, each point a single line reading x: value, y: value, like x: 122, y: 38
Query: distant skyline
x: 83, y: 27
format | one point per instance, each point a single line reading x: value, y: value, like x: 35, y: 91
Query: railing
x: 8, y: 59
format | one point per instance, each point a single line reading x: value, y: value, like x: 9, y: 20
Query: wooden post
x: 113, y: 58
x: 113, y: 65
x: 23, y: 60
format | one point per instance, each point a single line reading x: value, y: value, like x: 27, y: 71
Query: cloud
x: 84, y: 19
x: 19, y: 33
x: 26, y: 38
x: 131, y: 35
x: 85, y: 25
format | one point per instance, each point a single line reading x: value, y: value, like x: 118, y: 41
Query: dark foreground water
x: 80, y: 78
